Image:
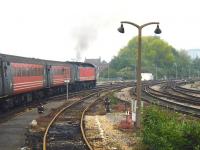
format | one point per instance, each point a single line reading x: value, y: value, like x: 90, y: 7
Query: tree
x: 156, y: 54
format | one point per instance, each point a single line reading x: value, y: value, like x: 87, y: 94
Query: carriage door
x: 1, y: 79
x: 6, y: 77
x: 49, y: 75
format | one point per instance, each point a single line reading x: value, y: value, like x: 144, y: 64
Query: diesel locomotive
x: 23, y: 80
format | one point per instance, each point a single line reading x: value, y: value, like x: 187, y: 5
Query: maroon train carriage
x: 26, y: 77
x: 23, y: 80
x: 20, y: 76
x: 57, y: 74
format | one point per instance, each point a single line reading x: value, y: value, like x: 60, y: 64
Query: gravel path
x: 104, y: 133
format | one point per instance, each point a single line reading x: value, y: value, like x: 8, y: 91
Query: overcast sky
x: 79, y: 29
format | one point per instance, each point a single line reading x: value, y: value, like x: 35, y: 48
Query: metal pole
x: 138, y: 88
x: 182, y: 73
x: 176, y: 70
x: 156, y: 73
x: 138, y: 108
x: 67, y: 90
x: 189, y: 71
x: 108, y: 71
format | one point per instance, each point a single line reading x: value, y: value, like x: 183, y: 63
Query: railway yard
x: 79, y: 75
x: 82, y: 121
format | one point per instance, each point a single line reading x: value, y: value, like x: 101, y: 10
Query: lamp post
x: 108, y: 71
x: 189, y: 71
x: 156, y: 68
x: 176, y: 70
x: 138, y: 88
x: 67, y: 82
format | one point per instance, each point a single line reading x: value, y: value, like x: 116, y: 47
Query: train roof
x: 82, y: 64
x: 19, y: 59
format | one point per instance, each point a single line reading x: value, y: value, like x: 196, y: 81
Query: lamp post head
x: 121, y: 29
x: 157, y: 30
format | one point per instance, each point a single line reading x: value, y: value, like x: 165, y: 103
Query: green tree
x: 156, y: 54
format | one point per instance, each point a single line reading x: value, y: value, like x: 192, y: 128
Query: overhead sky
x: 78, y: 29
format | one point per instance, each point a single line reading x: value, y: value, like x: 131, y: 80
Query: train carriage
x: 27, y: 77
x: 20, y: 75
x: 20, y: 79
x: 23, y: 80
x: 57, y: 73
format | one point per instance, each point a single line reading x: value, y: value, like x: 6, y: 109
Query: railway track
x: 70, y: 120
x: 177, y: 96
x: 185, y: 103
x: 17, y: 127
x: 63, y: 130
x: 192, y: 91
x: 7, y: 115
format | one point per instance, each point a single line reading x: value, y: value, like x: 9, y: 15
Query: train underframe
x: 25, y: 99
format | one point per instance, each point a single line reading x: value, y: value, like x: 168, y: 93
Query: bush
x: 164, y: 130
x: 191, y: 135
x: 113, y: 99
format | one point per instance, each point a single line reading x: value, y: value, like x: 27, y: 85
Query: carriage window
x: 34, y: 71
x: 59, y: 71
x: 26, y: 72
x: 29, y: 71
x: 15, y: 71
x: 62, y: 71
x: 40, y: 71
x: 23, y: 72
x: 12, y: 71
x: 18, y: 71
x: 0, y: 70
x: 54, y: 71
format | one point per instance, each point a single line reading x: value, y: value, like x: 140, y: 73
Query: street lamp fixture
x: 157, y: 30
x: 121, y: 28
x: 138, y: 87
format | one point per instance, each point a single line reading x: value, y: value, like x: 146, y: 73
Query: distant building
x: 100, y: 65
x: 194, y: 53
x: 147, y: 76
